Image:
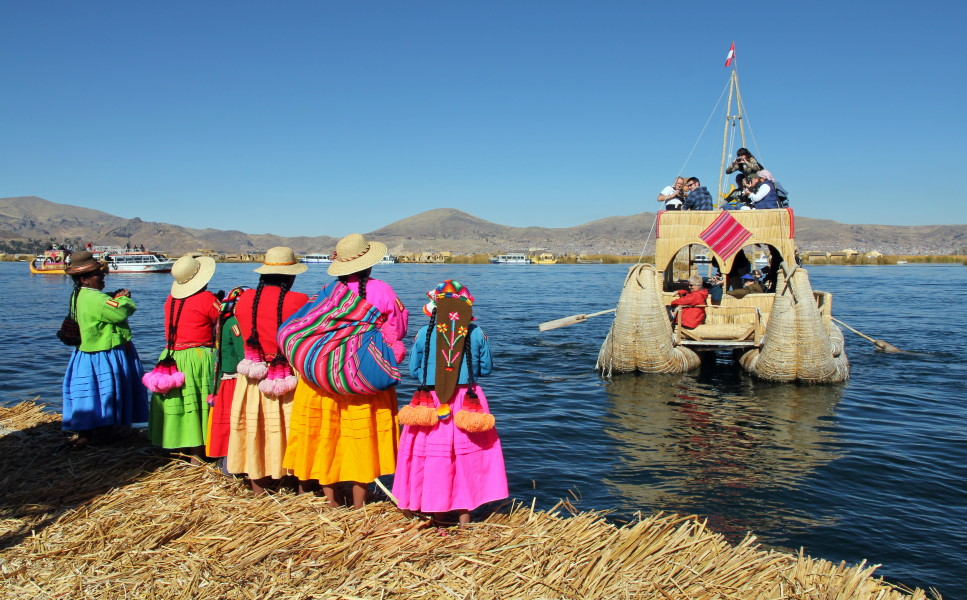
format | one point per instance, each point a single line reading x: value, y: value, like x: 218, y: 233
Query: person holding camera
x: 745, y: 162
x: 102, y: 384
x: 760, y: 192
x: 672, y: 195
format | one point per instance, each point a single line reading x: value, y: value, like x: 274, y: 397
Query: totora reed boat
x: 783, y: 334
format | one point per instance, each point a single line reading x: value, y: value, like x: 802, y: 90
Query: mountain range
x: 442, y: 229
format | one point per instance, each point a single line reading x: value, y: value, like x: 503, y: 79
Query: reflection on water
x: 698, y: 447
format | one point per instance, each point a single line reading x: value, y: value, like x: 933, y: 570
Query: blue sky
x: 323, y: 118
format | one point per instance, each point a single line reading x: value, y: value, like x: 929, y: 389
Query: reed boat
x: 784, y: 334
x: 51, y: 262
x: 545, y: 259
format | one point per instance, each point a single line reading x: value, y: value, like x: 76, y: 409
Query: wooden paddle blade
x: 562, y: 322
x: 886, y: 346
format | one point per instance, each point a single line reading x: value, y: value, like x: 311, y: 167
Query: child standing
x: 450, y: 458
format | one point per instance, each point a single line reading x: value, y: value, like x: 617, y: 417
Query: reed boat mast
x: 730, y: 121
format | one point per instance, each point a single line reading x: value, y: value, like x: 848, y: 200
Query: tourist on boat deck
x: 450, y: 457
x: 102, y: 384
x: 346, y: 436
x: 736, y: 199
x: 745, y: 162
x: 265, y: 383
x: 182, y: 379
x: 698, y: 197
x: 690, y: 304
x: 761, y: 193
x: 672, y: 195
x: 749, y: 286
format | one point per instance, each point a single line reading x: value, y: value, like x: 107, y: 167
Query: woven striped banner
x: 725, y: 236
x: 335, y: 344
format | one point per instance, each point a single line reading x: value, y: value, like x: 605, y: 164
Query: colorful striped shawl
x: 334, y: 343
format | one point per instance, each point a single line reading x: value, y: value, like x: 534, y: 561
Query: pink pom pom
x: 177, y: 379
x: 210, y: 399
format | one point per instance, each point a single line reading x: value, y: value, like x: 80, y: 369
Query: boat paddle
x: 880, y: 344
x: 571, y: 320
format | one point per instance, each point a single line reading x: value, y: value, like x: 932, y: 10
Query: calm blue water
x: 873, y: 469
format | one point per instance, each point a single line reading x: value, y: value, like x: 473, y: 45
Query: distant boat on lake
x: 510, y: 259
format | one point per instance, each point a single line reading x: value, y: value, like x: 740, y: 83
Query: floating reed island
x: 123, y: 521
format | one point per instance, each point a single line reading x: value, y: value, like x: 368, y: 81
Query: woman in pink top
x: 350, y: 437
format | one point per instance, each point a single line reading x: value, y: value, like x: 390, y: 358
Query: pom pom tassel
x: 164, y: 377
x: 472, y: 418
x: 252, y: 366
x: 420, y: 411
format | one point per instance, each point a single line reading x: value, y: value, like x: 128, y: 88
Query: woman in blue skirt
x: 102, y: 385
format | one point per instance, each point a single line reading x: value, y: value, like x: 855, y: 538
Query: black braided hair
x: 253, y: 339
x: 426, y: 345
x: 363, y: 278
x: 468, y: 356
x: 72, y: 303
x: 284, y: 283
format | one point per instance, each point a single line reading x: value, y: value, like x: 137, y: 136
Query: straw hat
x: 354, y: 254
x: 191, y: 275
x: 83, y: 262
x: 281, y: 260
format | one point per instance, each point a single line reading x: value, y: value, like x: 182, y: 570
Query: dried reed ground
x: 122, y: 521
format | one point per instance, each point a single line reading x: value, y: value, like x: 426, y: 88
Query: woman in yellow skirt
x: 350, y: 437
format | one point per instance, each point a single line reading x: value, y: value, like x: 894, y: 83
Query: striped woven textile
x: 725, y: 236
x: 335, y: 344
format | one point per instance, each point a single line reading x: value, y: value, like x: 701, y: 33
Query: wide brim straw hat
x: 354, y: 254
x: 281, y: 260
x: 191, y: 275
x: 84, y: 262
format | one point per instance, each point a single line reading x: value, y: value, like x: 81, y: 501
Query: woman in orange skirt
x: 350, y: 437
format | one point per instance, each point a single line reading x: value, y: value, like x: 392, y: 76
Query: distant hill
x: 442, y: 229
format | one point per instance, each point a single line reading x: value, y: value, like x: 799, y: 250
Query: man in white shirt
x: 671, y: 195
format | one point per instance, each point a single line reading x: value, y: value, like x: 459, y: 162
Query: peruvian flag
x: 728, y: 59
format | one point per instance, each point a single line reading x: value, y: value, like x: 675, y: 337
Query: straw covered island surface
x: 123, y: 521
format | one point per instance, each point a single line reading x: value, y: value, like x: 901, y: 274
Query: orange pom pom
x: 474, y: 422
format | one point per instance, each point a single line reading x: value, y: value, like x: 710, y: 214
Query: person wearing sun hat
x: 262, y: 402
x: 182, y: 379
x: 450, y: 457
x: 102, y: 384
x: 335, y: 438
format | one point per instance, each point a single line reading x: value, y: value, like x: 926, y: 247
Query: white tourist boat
x: 315, y: 258
x: 510, y: 259
x: 138, y: 262
x: 387, y: 260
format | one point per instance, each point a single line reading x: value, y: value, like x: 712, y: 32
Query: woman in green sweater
x: 102, y: 385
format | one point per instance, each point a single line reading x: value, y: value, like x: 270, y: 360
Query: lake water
x: 874, y: 469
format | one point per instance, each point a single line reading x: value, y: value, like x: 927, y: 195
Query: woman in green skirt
x: 182, y: 380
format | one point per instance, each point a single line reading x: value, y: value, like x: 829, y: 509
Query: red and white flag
x: 728, y: 59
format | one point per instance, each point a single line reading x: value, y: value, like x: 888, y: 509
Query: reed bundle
x: 134, y: 524
x: 640, y: 337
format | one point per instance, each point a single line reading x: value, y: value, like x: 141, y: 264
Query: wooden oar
x: 884, y: 346
x: 571, y: 320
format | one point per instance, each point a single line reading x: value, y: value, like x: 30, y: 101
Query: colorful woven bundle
x: 334, y: 343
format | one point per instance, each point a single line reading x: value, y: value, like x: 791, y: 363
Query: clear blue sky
x: 323, y: 118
